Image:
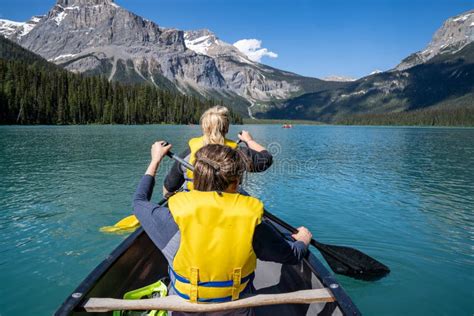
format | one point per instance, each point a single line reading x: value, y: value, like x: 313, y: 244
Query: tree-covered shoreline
x: 33, y: 94
x: 35, y: 91
x: 462, y: 116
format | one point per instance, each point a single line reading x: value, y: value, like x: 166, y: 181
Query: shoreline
x: 248, y: 122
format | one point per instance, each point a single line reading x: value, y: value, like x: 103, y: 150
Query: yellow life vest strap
x: 237, y: 278
x: 193, y: 293
x: 235, y: 284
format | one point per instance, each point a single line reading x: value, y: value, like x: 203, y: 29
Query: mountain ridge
x: 440, y: 75
x: 443, y: 79
x: 455, y: 33
x: 100, y: 37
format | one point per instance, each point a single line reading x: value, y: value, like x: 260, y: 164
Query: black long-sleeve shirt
x: 259, y: 162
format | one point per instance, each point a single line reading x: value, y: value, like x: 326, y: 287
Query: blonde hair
x: 215, y: 125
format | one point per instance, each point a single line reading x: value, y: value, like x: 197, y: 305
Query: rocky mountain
x: 454, y: 35
x: 100, y: 37
x: 16, y: 30
x: 339, y: 78
x: 442, y: 78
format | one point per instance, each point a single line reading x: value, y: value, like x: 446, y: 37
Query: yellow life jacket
x: 195, y: 144
x: 215, y: 261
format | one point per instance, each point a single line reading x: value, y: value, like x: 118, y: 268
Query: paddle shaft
x: 180, y: 160
x: 177, y: 304
x: 267, y: 214
x: 321, y: 247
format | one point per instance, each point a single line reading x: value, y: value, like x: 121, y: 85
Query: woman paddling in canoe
x: 212, y: 236
x: 215, y: 126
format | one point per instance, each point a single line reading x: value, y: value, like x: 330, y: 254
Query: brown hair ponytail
x: 217, y: 167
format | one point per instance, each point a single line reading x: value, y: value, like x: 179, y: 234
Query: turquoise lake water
x: 403, y: 195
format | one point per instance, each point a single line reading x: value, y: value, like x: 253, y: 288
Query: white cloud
x: 253, y: 49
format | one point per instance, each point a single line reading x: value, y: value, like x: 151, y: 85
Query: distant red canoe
x: 287, y: 126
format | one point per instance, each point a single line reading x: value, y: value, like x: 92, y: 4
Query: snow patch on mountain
x: 36, y: 19
x: 26, y: 29
x: 463, y: 17
x: 65, y: 56
x: 200, y: 45
x: 204, y: 42
x: 13, y: 29
x: 7, y: 27
x: 376, y: 71
x: 60, y: 17
x: 252, y: 48
x: 339, y: 78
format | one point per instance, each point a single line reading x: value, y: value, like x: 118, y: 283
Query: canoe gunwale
x: 329, y: 281
x: 343, y: 300
x: 74, y: 302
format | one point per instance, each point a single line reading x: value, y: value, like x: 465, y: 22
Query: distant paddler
x: 215, y: 126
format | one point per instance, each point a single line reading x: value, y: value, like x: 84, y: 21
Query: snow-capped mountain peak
x: 463, y: 17
x: 205, y: 42
x: 455, y: 33
x: 8, y: 28
x: 16, y: 30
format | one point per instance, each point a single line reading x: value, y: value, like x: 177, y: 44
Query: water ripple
x: 403, y: 195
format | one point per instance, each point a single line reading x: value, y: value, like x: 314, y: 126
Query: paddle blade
x: 352, y: 262
x: 125, y: 225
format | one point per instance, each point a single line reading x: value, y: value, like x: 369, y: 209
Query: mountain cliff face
x: 254, y: 81
x: 454, y: 35
x: 100, y: 37
x: 440, y: 76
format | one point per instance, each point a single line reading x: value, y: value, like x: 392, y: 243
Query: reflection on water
x: 403, y: 195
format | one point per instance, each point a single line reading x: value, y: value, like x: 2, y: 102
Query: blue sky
x: 311, y: 37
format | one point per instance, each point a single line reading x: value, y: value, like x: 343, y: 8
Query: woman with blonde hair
x: 215, y: 124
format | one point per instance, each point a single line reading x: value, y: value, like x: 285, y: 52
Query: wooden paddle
x: 177, y: 304
x: 130, y: 223
x: 127, y: 224
x: 342, y: 260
